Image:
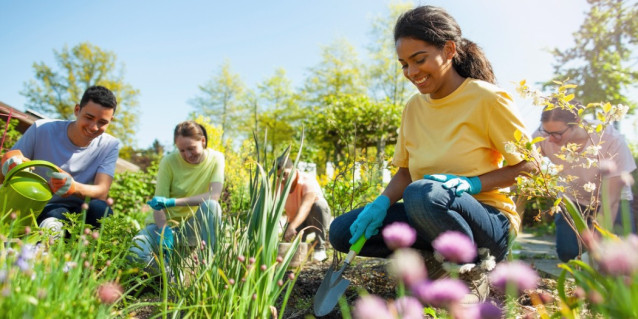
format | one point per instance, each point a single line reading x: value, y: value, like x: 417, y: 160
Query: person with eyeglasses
x: 562, y: 126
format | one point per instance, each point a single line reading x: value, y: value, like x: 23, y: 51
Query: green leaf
x: 573, y: 211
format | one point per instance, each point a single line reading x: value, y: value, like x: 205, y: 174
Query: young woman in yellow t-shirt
x: 186, y: 208
x: 450, y: 147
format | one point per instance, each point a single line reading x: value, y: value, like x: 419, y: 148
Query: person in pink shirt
x: 560, y: 127
x: 305, y: 207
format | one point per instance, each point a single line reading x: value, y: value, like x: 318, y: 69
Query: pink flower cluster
x: 407, y: 265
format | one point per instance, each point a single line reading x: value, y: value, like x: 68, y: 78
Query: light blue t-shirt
x: 48, y: 140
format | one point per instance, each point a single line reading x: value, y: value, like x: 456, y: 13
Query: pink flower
x: 407, y: 265
x: 399, y: 235
x: 617, y: 258
x: 455, y: 247
x: 371, y: 307
x: 109, y: 292
x: 409, y: 308
x: 516, y: 273
x: 440, y: 293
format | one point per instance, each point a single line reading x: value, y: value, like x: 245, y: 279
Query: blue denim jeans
x: 566, y: 240
x: 432, y: 210
x: 97, y: 209
x: 200, y: 227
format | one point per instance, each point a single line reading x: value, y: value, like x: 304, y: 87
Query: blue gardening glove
x: 166, y: 242
x: 461, y: 184
x: 160, y: 202
x: 370, y: 219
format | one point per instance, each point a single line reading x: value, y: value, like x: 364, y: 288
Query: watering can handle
x: 31, y: 164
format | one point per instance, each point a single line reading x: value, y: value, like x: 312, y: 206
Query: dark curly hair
x: 435, y: 26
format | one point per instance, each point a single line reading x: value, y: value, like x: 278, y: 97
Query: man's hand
x: 461, y: 184
x: 160, y: 202
x: 370, y: 219
x: 61, y: 183
x: 290, y: 233
x: 10, y: 160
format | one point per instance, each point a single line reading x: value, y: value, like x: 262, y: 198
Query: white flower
x: 589, y: 187
x: 510, y: 148
x: 592, y: 150
x: 618, y: 112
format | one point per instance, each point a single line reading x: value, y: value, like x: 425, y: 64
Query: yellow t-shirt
x: 463, y: 134
x: 177, y: 178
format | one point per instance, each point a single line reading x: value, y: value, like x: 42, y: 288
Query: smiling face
x: 191, y: 149
x: 428, y: 67
x: 91, y: 121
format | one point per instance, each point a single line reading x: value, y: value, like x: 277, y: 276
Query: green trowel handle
x: 355, y: 248
x: 30, y: 164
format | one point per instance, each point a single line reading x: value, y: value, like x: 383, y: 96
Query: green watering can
x: 24, y: 193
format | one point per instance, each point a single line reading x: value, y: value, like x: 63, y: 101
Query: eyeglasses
x: 556, y: 135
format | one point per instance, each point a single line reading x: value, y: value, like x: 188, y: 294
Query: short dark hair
x: 284, y: 162
x: 100, y: 95
x: 562, y: 113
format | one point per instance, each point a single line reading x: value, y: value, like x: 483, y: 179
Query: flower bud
x: 109, y: 292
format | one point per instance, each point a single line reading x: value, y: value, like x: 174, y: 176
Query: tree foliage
x: 384, y: 71
x: 281, y: 112
x: 56, y: 91
x: 354, y: 121
x: 601, y: 62
x: 220, y: 98
x: 339, y: 72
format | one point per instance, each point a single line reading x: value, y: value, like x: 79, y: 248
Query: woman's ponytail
x: 470, y: 62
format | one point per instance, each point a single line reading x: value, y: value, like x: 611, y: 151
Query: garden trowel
x: 334, y: 285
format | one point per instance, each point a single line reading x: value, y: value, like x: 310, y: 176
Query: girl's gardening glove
x: 160, y: 202
x: 10, y: 160
x: 61, y: 183
x: 370, y: 219
x: 461, y: 184
x: 165, y: 239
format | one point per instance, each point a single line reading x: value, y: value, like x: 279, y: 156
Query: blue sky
x: 169, y: 48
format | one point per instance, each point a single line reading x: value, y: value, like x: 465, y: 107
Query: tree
x: 600, y: 61
x: 56, y: 92
x: 385, y: 73
x: 339, y: 72
x: 354, y: 121
x: 281, y: 112
x: 220, y: 98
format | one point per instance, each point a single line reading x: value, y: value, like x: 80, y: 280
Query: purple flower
x: 484, y: 310
x: 617, y: 258
x: 440, y: 293
x: 516, y: 273
x: 409, y: 308
x: 371, y: 307
x: 455, y: 247
x: 407, y: 265
x: 399, y: 235
x: 27, y: 253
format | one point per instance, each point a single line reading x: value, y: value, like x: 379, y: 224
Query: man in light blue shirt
x: 80, y: 148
